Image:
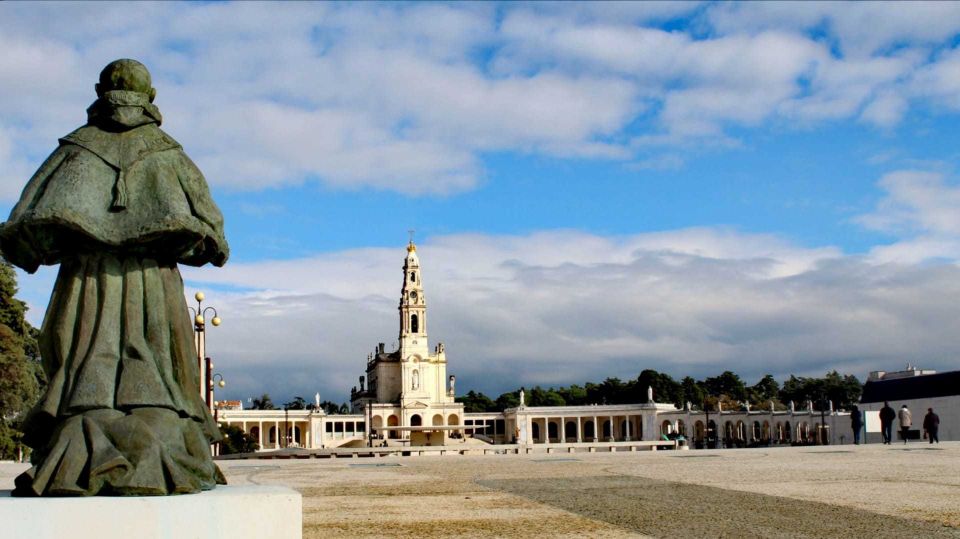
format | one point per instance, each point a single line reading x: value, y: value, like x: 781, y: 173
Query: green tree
x: 298, y: 403
x: 262, y: 402
x: 236, y: 441
x: 610, y: 391
x: 843, y: 390
x: 544, y: 397
x: 665, y: 388
x: 573, y: 395
x: 693, y: 392
x: 729, y: 384
x: 765, y: 390
x: 474, y: 402
x: 21, y: 377
x: 509, y: 400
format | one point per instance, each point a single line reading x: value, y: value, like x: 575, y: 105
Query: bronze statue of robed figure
x: 118, y: 205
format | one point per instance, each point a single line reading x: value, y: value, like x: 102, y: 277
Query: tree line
x: 264, y: 402
x: 726, y: 390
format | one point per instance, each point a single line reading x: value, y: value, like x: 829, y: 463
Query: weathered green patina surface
x: 118, y: 205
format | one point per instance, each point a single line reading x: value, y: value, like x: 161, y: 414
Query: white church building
x: 407, y: 399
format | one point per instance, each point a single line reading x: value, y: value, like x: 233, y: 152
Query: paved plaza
x: 835, y: 491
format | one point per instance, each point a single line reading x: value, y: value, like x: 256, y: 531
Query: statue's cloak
x: 131, y: 191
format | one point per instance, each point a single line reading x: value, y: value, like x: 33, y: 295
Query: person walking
x: 931, y: 424
x: 856, y: 423
x: 887, y: 415
x: 906, y: 421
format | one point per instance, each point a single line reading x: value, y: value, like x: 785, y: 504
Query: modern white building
x: 406, y: 399
x: 920, y: 390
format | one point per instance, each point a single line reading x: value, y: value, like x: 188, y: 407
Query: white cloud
x: 916, y: 201
x: 860, y: 28
x: 409, y: 97
x: 920, y: 210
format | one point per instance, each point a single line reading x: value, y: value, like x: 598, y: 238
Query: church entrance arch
x: 416, y: 420
x: 393, y: 421
x: 437, y: 420
x: 454, y: 419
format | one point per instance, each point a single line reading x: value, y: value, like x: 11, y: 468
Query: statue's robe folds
x: 122, y: 414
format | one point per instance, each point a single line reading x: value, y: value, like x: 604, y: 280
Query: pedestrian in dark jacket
x: 931, y: 424
x: 856, y: 423
x: 887, y: 415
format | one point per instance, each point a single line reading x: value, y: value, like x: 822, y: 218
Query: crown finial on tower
x: 411, y: 247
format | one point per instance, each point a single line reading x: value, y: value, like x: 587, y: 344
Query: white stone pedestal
x: 227, y: 512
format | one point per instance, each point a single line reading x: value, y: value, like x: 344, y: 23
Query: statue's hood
x: 119, y: 110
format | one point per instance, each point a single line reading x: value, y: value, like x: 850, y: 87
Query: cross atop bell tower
x: 413, y: 307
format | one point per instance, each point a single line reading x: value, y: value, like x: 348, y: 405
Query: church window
x: 413, y: 276
x: 414, y: 324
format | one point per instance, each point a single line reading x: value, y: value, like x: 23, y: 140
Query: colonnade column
x: 579, y: 430
x: 596, y: 433
x: 260, y: 434
x: 627, y: 436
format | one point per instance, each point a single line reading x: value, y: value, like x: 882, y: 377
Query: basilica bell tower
x: 413, y: 308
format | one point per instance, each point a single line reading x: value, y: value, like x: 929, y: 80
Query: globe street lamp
x: 212, y: 404
x: 200, y: 338
x: 213, y: 382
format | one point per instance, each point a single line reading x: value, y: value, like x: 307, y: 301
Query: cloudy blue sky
x: 596, y: 188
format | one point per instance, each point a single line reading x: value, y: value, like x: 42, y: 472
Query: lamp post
x: 823, y: 422
x: 213, y: 382
x: 200, y: 337
x: 706, y: 410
